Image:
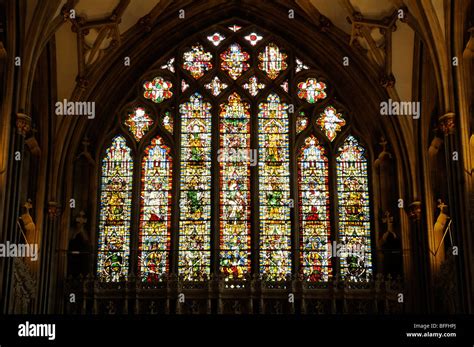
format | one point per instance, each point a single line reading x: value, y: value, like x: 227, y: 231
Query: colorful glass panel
x: 354, y: 211
x: 195, y: 203
x: 216, y: 39
x: 234, y: 61
x: 314, y: 212
x: 301, y: 123
x: 253, y: 38
x: 330, y: 122
x: 253, y: 86
x: 235, y: 188
x: 157, y: 90
x: 138, y: 122
x: 274, y: 189
x: 155, y: 216
x: 197, y: 61
x: 311, y: 90
x: 216, y: 86
x: 168, y: 122
x: 114, y: 216
x: 272, y: 61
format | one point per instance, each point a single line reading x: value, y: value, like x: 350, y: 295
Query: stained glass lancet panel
x: 314, y: 211
x: 354, y: 211
x: 274, y: 187
x: 195, y: 202
x: 115, y: 205
x: 235, y: 188
x: 155, y: 213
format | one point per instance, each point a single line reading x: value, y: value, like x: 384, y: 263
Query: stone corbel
x: 414, y: 211
x: 53, y: 209
x: 447, y: 123
x: 23, y: 124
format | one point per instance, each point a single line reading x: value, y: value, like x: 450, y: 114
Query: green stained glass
x: 195, y: 203
x: 155, y: 216
x: 354, y: 211
x: 114, y: 216
x: 235, y: 188
x: 274, y: 187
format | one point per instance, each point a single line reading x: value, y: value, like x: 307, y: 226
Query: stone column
x: 47, y: 296
x: 457, y: 208
x: 12, y: 211
x: 420, y: 298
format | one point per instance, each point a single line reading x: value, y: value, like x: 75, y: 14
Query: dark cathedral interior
x: 293, y: 157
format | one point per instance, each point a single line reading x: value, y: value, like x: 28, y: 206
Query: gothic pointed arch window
x: 246, y: 166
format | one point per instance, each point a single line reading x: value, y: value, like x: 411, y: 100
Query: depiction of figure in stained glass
x: 138, y: 122
x: 155, y: 212
x: 195, y: 204
x: 235, y: 186
x: 197, y: 61
x: 157, y: 90
x: 272, y: 61
x: 314, y: 211
x: 311, y: 90
x: 354, y: 210
x: 330, y: 122
x: 168, y: 122
x: 234, y: 61
x: 114, y: 218
x: 301, y: 122
x: 274, y: 187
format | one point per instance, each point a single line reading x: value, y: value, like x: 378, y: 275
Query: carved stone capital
x: 415, y: 210
x: 447, y: 123
x: 23, y: 124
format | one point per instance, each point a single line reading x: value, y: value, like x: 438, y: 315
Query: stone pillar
x: 47, y: 296
x: 420, y: 298
x: 12, y: 211
x: 457, y: 208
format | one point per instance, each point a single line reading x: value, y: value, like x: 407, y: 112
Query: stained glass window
x: 314, y: 211
x: 169, y: 65
x: 311, y: 90
x: 253, y: 86
x: 195, y: 203
x: 234, y: 61
x: 157, y: 90
x: 138, y: 123
x: 168, y: 121
x: 216, y: 86
x: 354, y: 210
x: 249, y: 132
x: 115, y: 217
x: 216, y: 39
x: 272, y: 61
x: 274, y: 189
x: 155, y: 216
x: 301, y: 122
x: 235, y: 188
x: 253, y: 38
x: 330, y: 122
x: 197, y: 61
